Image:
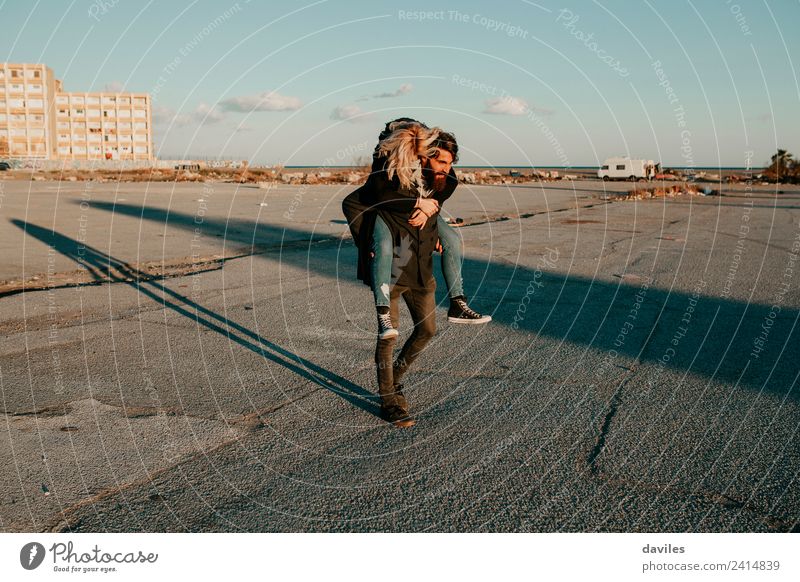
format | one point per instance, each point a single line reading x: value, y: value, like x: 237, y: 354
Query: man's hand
x: 428, y: 205
x: 425, y: 208
x: 439, y: 246
x: 418, y: 218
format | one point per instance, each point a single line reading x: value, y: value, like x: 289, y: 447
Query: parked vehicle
x: 4, y: 166
x: 627, y: 169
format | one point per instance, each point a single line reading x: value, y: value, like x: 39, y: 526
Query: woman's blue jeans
x: 383, y: 253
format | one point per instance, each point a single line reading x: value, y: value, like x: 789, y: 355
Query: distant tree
x: 784, y: 168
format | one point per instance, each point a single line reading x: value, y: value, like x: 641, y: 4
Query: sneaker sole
x: 388, y: 334
x: 486, y: 319
x: 404, y: 423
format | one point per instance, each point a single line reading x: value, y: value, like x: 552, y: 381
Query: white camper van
x: 627, y: 169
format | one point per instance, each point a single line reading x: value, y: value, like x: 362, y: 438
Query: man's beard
x: 436, y: 181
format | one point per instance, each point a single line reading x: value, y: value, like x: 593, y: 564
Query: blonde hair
x: 402, y: 150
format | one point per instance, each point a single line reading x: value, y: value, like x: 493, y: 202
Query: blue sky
x: 534, y: 83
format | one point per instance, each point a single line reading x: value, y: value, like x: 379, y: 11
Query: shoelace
x: 385, y: 321
x: 465, y: 309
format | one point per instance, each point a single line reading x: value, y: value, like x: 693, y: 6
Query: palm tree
x: 783, y: 166
x: 781, y: 163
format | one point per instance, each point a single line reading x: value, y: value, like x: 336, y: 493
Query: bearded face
x: 435, y: 171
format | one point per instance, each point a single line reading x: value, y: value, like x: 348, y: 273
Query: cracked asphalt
x: 198, y: 357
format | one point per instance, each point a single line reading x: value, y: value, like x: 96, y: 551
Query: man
x: 417, y: 163
x: 376, y: 248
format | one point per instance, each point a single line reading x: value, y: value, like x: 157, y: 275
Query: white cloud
x: 509, y: 105
x: 506, y: 106
x: 350, y: 112
x: 205, y: 114
x: 162, y: 114
x: 404, y: 89
x: 266, y: 101
x: 202, y: 114
x: 114, y: 87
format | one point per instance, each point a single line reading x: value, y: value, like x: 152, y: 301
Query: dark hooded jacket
x: 413, y: 264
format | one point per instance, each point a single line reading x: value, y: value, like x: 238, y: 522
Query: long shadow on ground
x: 721, y: 339
x: 104, y: 267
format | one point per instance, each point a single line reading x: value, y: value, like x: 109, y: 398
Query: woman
x: 407, y: 179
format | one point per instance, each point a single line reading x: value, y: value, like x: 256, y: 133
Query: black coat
x: 379, y: 196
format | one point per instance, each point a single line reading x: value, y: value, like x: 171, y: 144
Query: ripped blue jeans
x: 383, y: 253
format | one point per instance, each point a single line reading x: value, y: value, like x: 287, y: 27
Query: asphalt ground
x: 199, y: 357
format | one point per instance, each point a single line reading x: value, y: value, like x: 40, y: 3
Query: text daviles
x: 665, y: 549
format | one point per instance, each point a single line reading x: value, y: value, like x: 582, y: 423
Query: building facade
x: 40, y: 120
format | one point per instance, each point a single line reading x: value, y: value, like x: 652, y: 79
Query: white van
x: 627, y: 169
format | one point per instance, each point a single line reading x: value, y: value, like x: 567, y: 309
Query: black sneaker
x: 385, y: 329
x: 397, y: 416
x: 461, y: 313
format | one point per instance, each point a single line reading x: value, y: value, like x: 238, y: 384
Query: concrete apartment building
x: 40, y: 120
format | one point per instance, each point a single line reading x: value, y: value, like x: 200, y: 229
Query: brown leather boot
x: 397, y: 415
x: 395, y: 408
